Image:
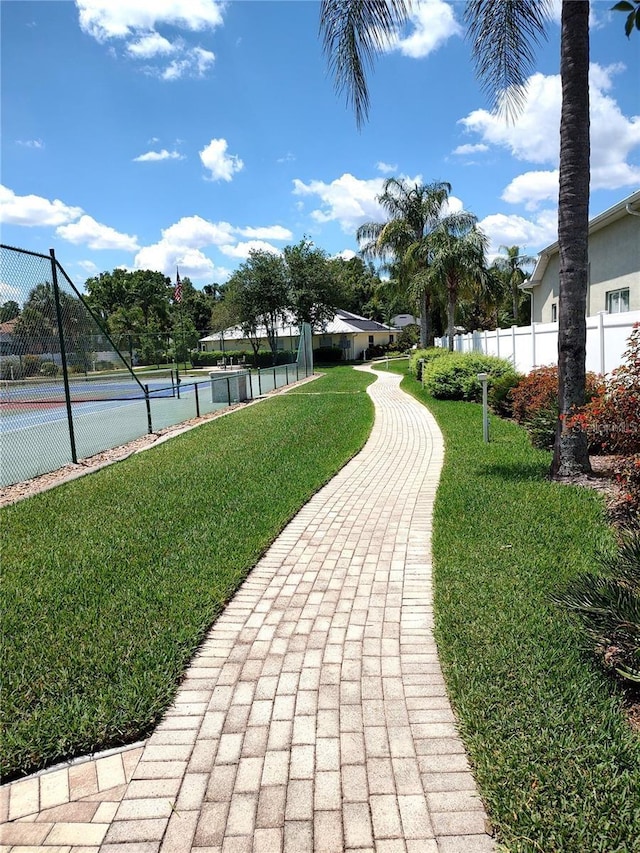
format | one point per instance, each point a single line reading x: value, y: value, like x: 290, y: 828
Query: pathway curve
x: 314, y: 717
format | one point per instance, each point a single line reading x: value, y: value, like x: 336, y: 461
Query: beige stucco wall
x: 359, y: 341
x: 614, y: 262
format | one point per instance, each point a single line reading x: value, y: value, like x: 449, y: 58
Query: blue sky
x: 164, y: 133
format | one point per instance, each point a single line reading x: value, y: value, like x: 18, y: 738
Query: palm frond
x: 353, y: 32
x: 504, y: 35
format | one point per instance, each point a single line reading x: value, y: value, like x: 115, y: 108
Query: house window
x: 554, y: 312
x: 618, y: 301
x: 390, y: 339
x: 370, y: 340
x: 325, y: 341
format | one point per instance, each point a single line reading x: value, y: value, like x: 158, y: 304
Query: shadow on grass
x: 517, y: 472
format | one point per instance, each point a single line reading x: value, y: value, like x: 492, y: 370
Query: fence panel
x: 533, y: 346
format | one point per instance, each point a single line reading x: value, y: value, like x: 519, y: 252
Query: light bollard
x: 483, y: 377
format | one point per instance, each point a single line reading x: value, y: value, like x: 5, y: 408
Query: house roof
x: 343, y: 323
x: 7, y: 329
x: 618, y: 211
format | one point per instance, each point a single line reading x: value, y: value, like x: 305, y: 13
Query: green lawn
x: 110, y: 582
x: 556, y: 762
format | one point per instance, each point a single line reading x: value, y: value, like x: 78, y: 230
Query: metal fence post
x: 148, y: 404
x: 195, y: 388
x: 63, y: 357
x: 259, y: 384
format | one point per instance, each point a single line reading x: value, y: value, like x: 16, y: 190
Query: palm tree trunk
x: 425, y: 319
x: 570, y: 451
x: 451, y: 315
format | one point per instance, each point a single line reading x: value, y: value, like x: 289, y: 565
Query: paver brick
x: 458, y: 823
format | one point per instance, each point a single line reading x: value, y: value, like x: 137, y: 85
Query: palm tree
x: 456, y: 260
x: 414, y: 210
x: 511, y: 267
x: 504, y: 34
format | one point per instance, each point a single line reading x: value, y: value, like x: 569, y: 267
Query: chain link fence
x: 67, y: 391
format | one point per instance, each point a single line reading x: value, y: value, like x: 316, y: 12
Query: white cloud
x: 30, y: 143
x: 535, y: 138
x: 464, y: 150
x: 196, y: 232
x: 241, y: 250
x: 531, y: 188
x: 33, y: 210
x: 347, y: 200
x: 434, y: 23
x: 165, y: 257
x: 268, y: 232
x: 106, y: 19
x: 346, y: 254
x: 182, y: 244
x: 193, y: 63
x: 89, y: 267
x: 155, y: 156
x: 10, y: 293
x: 531, y: 235
x: 221, y: 165
x: 352, y: 201
x: 386, y: 168
x: 95, y: 235
x: 151, y: 44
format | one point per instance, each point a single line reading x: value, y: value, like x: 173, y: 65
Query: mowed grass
x: 556, y: 762
x: 111, y: 581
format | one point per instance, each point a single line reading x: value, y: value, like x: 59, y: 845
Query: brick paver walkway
x: 314, y: 717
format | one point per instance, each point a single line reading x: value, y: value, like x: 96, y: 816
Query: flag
x: 177, y: 293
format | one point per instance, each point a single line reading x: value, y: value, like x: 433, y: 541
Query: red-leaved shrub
x: 538, y: 392
x: 611, y: 420
x: 626, y: 510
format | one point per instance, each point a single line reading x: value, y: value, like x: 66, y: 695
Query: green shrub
x: 327, y: 355
x: 541, y: 427
x: 500, y: 398
x: 607, y: 604
x: 10, y: 367
x: 408, y: 337
x: 31, y: 364
x: 425, y: 355
x: 49, y: 368
x: 456, y: 377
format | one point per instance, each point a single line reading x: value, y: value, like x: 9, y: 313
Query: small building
x: 8, y: 343
x: 614, y: 266
x: 350, y: 332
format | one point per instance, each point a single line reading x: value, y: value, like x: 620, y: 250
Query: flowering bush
x: 611, y: 420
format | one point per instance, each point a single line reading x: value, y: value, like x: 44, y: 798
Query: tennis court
x: 109, y: 412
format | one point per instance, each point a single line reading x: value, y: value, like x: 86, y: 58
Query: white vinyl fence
x: 537, y: 345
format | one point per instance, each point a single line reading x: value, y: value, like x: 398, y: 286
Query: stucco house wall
x: 614, y: 265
